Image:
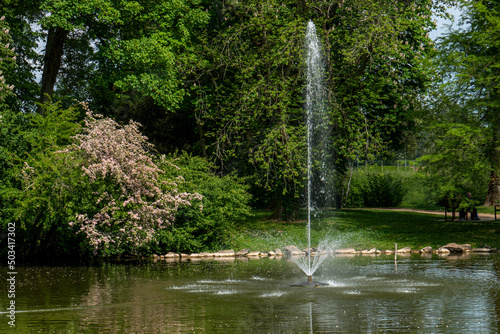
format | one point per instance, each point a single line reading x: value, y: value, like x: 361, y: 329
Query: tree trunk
x: 493, y: 195
x: 277, y: 208
x: 201, y: 133
x: 54, y: 50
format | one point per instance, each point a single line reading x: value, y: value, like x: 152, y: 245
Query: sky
x: 443, y: 25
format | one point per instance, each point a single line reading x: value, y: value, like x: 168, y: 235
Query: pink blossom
x: 120, y: 155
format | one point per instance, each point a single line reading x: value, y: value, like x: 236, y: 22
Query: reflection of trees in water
x: 140, y: 299
x: 44, y: 287
x: 177, y: 298
x: 110, y: 298
x: 133, y: 299
x: 496, y: 268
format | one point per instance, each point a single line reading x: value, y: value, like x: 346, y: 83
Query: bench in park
x: 468, y: 212
x: 452, y: 209
x: 497, y: 208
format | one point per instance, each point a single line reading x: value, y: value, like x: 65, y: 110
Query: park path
x: 484, y: 216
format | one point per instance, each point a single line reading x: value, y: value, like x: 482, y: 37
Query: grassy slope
x: 365, y: 228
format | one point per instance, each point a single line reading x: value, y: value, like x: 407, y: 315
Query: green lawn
x: 366, y: 228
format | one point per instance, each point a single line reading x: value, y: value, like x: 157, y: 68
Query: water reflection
x: 364, y: 295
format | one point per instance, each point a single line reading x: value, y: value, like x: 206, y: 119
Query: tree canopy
x: 8, y: 59
x: 224, y: 80
x: 465, y: 107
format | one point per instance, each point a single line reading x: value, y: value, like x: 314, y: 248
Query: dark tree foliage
x: 224, y: 79
x: 249, y: 94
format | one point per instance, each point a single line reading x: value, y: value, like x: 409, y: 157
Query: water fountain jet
x: 309, y: 283
x: 319, y: 171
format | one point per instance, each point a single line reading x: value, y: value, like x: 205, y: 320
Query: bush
x: 130, y: 201
x: 100, y: 194
x: 225, y: 202
x: 99, y: 190
x: 36, y: 183
x: 375, y: 190
x: 383, y: 190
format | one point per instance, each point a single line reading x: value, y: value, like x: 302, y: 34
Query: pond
x: 364, y: 295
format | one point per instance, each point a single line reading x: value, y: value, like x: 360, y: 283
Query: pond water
x: 363, y: 295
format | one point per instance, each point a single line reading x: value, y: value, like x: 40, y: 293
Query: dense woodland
x: 137, y: 126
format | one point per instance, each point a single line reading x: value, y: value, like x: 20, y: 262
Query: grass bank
x: 366, y: 228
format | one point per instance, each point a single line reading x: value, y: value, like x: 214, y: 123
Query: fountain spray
x: 318, y: 172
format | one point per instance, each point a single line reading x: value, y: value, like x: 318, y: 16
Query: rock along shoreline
x: 294, y: 251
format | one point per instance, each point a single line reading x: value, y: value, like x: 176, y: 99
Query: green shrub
x: 383, y: 190
x: 353, y: 192
x: 37, y: 184
x: 225, y: 202
x: 375, y: 190
x: 44, y: 190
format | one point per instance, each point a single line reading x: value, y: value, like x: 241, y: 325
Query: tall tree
x: 250, y: 96
x: 454, y: 146
x: 7, y: 60
x: 377, y: 53
x: 143, y: 71
x: 126, y: 47
x: 470, y: 66
x: 19, y: 15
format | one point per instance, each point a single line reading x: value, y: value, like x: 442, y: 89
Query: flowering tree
x: 127, y: 200
x: 7, y: 58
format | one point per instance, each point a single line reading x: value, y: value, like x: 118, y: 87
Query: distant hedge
x: 375, y: 190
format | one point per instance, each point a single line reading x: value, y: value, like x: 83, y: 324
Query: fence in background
x: 387, y: 165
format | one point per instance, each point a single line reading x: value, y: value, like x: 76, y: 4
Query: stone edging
x: 290, y: 251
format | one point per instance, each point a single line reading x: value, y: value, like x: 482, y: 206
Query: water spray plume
x: 319, y: 169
